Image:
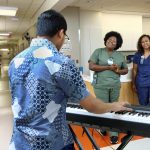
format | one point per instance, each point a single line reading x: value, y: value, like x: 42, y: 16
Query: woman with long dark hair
x: 141, y: 70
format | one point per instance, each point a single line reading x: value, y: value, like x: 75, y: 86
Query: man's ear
x: 61, y: 33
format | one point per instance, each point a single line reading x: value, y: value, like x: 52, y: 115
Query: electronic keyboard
x: 136, y: 122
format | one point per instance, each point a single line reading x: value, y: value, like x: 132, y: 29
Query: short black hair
x: 118, y: 37
x: 50, y: 22
x: 139, y: 44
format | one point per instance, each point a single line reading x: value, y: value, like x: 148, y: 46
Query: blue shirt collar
x: 43, y: 42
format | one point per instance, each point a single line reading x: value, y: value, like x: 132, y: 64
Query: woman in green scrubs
x: 108, y: 64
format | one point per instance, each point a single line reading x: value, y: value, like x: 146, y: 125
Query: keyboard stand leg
x: 91, y: 138
x: 125, y: 140
x: 75, y: 138
x: 83, y: 131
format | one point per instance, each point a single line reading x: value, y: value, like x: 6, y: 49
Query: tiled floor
x: 6, y: 123
x: 6, y: 119
x: 137, y: 143
x: 142, y: 144
x: 6, y: 116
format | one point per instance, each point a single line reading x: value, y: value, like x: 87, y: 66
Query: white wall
x: 71, y: 15
x: 91, y: 38
x: 94, y: 26
x: 130, y: 27
x: 146, y: 26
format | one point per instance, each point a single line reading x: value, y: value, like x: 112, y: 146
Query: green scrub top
x: 107, y: 79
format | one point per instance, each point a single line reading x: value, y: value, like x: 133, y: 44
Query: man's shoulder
x: 23, y: 53
x: 20, y: 55
x: 60, y: 59
x: 64, y: 59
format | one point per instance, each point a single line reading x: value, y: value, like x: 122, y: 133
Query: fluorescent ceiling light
x: 3, y: 41
x: 5, y: 34
x: 4, y: 49
x: 8, y: 11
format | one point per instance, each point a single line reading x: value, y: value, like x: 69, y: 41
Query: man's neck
x: 53, y: 40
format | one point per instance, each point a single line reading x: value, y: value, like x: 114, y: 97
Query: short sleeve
x: 70, y: 81
x: 95, y: 56
x: 136, y: 58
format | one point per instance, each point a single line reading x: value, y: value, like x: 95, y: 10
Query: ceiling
x: 135, y: 6
x: 20, y: 23
x: 28, y: 8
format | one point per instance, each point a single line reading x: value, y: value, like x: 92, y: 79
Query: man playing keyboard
x: 42, y: 80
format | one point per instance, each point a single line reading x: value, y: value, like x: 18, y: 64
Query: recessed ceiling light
x: 8, y: 11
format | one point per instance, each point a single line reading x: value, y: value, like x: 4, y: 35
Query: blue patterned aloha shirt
x: 42, y: 80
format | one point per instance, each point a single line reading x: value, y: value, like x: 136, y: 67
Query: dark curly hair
x: 118, y: 37
x: 139, y: 43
